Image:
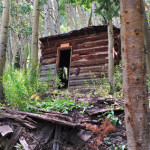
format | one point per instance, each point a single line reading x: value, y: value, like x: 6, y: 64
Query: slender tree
x: 3, y: 41
x: 35, y: 33
x: 134, y: 74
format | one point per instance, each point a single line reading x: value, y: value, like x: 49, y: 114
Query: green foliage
x: 106, y: 8
x: 114, y: 120
x: 64, y: 105
x: 17, y: 60
x: 58, y: 82
x: 18, y: 88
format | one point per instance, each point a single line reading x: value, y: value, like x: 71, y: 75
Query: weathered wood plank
x: 46, y: 73
x: 14, y: 138
x: 83, y: 82
x: 101, y: 49
x: 48, y: 61
x: 5, y: 129
x: 75, y: 40
x: 91, y: 44
x: 88, y: 63
x: 84, y: 77
x: 50, y: 55
x: 47, y: 67
x: 88, y: 57
x: 103, y: 68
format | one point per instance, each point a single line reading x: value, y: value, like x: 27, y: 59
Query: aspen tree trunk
x: 69, y: 15
x: 51, y: 18
x: 134, y: 74
x: 73, y: 11
x: 94, y: 16
x: 56, y: 5
x: 3, y: 41
x: 110, y: 52
x: 83, y: 19
x: 146, y: 40
x: 46, y: 25
x: 9, y: 51
x: 34, y: 43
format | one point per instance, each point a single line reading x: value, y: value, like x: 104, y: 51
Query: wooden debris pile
x: 47, y: 130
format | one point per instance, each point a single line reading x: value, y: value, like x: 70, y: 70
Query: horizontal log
x: 85, y: 77
x: 95, y: 62
x: 50, y: 55
x: 75, y: 40
x: 48, y: 50
x: 47, y: 67
x: 44, y: 72
x: 91, y: 44
x: 90, y: 69
x: 46, y: 78
x: 92, y: 50
x: 83, y: 82
x: 89, y: 57
x: 48, y: 61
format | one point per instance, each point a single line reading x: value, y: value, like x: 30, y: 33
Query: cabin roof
x: 75, y: 33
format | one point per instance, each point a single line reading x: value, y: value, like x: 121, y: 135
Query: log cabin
x: 76, y: 57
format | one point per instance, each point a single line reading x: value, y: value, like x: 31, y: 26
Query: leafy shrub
x: 64, y: 105
x: 18, y: 88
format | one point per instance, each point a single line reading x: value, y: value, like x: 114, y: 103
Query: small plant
x: 18, y: 88
x: 114, y: 120
x: 119, y: 147
x: 63, y: 105
x: 58, y: 82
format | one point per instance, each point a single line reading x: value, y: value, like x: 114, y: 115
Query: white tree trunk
x: 57, y: 16
x: 51, y: 18
x: 35, y: 32
x: 73, y: 11
x: 46, y: 17
x: 69, y: 15
x: 94, y: 16
x: 110, y: 52
x: 3, y: 40
x: 83, y: 18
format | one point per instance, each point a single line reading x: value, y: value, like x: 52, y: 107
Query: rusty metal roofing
x: 76, y: 33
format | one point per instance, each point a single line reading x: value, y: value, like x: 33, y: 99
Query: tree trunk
x: 146, y: 41
x: 134, y: 74
x: 110, y: 52
x: 34, y: 44
x: 46, y: 25
x: 69, y: 15
x: 51, y: 18
x: 3, y: 41
x: 73, y: 11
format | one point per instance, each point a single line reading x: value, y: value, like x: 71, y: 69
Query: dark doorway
x: 63, y: 68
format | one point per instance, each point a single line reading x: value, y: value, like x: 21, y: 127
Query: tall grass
x: 18, y: 88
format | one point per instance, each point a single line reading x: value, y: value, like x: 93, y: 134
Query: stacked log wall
x: 89, y: 58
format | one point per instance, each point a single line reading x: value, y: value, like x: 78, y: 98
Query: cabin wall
x: 89, y: 58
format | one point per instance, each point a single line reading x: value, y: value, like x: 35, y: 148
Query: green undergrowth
x: 18, y: 87
x: 56, y: 104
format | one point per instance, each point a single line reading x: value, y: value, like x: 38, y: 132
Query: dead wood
x: 56, y: 143
x: 14, y: 138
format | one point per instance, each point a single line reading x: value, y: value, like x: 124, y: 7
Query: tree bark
x: 3, y: 41
x: 110, y: 52
x: 34, y: 44
x: 46, y: 25
x: 146, y: 41
x: 134, y: 74
x: 67, y: 6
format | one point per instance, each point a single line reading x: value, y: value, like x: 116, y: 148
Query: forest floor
x: 100, y: 126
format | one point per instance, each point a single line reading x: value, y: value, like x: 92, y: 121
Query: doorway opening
x: 63, y: 68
